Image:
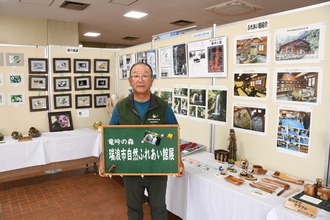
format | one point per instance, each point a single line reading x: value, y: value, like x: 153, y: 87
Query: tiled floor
x: 75, y: 194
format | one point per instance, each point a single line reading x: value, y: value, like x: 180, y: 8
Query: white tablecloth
x: 48, y: 148
x: 203, y: 194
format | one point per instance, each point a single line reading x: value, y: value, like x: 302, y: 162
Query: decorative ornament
x: 33, y: 132
x: 16, y: 135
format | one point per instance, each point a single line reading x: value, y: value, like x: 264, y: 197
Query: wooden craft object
x: 261, y: 187
x: 282, y: 176
x: 258, y: 170
x: 323, y: 193
x: 294, y: 189
x: 234, y: 180
x: 310, y: 189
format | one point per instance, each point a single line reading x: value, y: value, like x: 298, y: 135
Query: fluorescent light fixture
x: 135, y: 14
x: 92, y: 34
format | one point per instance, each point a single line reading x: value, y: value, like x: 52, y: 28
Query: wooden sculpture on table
x: 232, y: 147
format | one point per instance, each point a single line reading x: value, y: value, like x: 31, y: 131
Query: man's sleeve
x: 114, y: 118
x: 170, y: 117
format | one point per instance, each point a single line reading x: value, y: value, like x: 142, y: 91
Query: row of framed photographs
x: 40, y: 103
x: 62, y: 84
x: 63, y: 65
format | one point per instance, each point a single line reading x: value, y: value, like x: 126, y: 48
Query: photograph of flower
x: 15, y: 59
x: 101, y: 65
x: 16, y: 98
x: 15, y: 79
x: 60, y: 121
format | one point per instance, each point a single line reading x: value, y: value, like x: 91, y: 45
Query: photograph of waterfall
x: 217, y: 105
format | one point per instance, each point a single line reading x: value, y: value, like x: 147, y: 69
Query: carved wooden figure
x: 232, y: 147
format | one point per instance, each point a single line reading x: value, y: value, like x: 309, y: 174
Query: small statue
x: 232, y: 147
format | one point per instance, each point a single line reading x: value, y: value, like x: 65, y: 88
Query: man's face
x: 141, y: 79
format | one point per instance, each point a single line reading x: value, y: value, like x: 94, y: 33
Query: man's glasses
x: 143, y: 77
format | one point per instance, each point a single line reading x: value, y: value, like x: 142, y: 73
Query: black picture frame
x: 101, y: 82
x: 82, y: 66
x: 62, y: 84
x: 84, y: 101
x: 61, y: 65
x: 100, y: 100
x: 82, y: 83
x: 38, y: 83
x: 38, y: 65
x: 101, y: 65
x: 62, y: 101
x: 60, y: 121
x: 38, y: 103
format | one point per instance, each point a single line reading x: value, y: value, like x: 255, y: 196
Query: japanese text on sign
x: 138, y: 154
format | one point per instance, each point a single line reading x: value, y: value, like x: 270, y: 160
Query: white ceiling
x: 106, y: 16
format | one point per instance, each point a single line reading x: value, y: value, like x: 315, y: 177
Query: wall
x: 37, y: 31
x: 257, y: 149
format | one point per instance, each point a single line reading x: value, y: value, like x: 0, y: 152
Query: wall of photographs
x: 266, y: 83
x: 36, y: 81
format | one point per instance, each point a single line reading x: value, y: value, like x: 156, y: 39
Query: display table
x: 203, y: 194
x: 52, y: 150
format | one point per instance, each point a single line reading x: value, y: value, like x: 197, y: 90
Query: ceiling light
x: 135, y: 14
x: 92, y: 34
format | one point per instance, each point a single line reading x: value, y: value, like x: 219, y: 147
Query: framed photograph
x: 2, y: 98
x: 61, y: 65
x: 1, y: 59
x: 60, y: 121
x: 15, y: 79
x: 16, y: 98
x: 101, y: 65
x: 82, y: 65
x: 38, y: 83
x: 15, y: 59
x: 2, y: 80
x: 62, y: 84
x: 38, y: 103
x: 100, y: 100
x: 82, y: 83
x: 62, y: 101
x: 101, y: 82
x: 38, y: 65
x: 84, y: 101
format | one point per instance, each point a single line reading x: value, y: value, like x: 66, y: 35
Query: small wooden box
x: 310, y: 189
x: 323, y: 193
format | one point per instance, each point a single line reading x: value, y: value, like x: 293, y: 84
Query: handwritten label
x: 301, y: 207
x: 27, y: 138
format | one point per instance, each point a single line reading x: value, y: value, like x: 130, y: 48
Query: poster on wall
x: 208, y: 58
x: 173, y: 61
x: 303, y: 44
x: 250, y: 118
x: 125, y: 64
x: 197, y: 102
x: 217, y: 105
x: 180, y: 98
x: 251, y: 84
x: 148, y: 57
x: 166, y: 94
x: 252, y: 49
x: 293, y: 133
x: 298, y: 85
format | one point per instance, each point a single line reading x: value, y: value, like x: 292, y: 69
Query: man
x: 142, y: 107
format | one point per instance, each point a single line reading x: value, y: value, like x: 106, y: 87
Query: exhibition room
x: 245, y: 133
